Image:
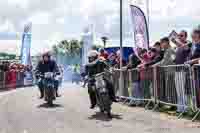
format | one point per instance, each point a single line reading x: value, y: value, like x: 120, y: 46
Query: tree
x: 76, y: 47
x: 198, y: 27
x: 70, y: 48
x: 7, y: 56
x: 104, y: 39
x: 55, y: 49
x: 96, y: 47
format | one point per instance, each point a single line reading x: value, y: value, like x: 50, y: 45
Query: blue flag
x: 87, y: 38
x: 26, y: 45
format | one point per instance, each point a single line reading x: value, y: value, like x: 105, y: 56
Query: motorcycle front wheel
x: 105, y: 104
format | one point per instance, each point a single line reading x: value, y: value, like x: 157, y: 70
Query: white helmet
x: 93, y: 53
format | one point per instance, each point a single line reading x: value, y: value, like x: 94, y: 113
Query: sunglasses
x: 181, y: 35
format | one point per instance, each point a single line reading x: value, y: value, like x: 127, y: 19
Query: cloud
x: 18, y: 3
x: 67, y: 18
x: 40, y: 18
x: 60, y: 20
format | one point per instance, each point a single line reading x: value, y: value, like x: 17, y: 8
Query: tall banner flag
x: 88, y: 39
x: 26, y: 45
x: 140, y: 28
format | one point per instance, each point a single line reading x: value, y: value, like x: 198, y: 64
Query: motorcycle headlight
x: 103, y: 90
x: 93, y: 88
x: 48, y: 75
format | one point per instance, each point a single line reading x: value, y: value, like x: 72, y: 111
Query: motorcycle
x: 49, y: 87
x: 104, y: 101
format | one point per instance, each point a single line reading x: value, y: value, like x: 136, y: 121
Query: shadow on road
x: 102, y: 117
x: 45, y: 105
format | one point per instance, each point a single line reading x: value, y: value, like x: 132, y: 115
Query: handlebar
x: 43, y: 75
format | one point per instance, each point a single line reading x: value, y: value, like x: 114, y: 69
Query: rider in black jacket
x: 94, y: 67
x: 46, y: 65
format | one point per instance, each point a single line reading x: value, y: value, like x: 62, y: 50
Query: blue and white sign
x: 88, y: 39
x: 26, y: 45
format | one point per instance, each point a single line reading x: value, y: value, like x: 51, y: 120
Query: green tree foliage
x: 68, y: 47
x: 6, y: 56
x: 71, y: 48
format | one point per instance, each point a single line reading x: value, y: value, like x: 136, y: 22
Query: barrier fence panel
x: 115, y: 81
x: 196, y: 93
x: 12, y: 80
x: 122, y: 92
x: 142, y: 84
x: 2, y: 80
x: 20, y: 79
x: 175, y: 87
x: 138, y: 85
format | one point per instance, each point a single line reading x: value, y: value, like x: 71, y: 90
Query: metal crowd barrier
x: 121, y: 85
x: 196, y: 83
x: 141, y: 86
x: 11, y: 80
x: 175, y: 85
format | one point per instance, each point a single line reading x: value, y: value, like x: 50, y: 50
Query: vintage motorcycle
x: 104, y: 101
x: 48, y: 80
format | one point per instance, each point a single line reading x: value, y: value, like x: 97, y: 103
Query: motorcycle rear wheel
x: 50, y: 103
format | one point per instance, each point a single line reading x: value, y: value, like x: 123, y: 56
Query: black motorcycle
x: 48, y: 80
x: 104, y: 101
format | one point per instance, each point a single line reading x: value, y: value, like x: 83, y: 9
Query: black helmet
x: 48, y: 54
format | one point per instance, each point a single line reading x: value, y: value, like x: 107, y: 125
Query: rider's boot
x: 41, y: 93
x: 92, y: 100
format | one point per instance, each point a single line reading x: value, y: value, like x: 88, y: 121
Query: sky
x: 54, y: 20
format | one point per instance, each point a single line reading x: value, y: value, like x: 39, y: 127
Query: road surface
x: 22, y: 112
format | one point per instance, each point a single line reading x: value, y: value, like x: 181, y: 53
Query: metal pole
x: 148, y: 16
x: 148, y: 12
x: 121, y: 33
x: 121, y: 48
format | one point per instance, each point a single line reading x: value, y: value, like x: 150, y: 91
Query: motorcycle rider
x: 94, y: 67
x: 46, y: 65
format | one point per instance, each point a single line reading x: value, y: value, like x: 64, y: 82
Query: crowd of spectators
x: 162, y: 53
x: 13, y: 75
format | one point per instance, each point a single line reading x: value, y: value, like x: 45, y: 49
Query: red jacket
x: 104, y: 55
x: 11, y: 78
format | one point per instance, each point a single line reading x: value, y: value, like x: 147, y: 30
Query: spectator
x: 11, y: 77
x: 182, y: 53
x: 134, y: 61
x: 195, y: 49
x: 183, y: 50
x: 20, y: 72
x: 169, y: 55
x: 76, y: 74
x: 28, y: 76
x: 103, y: 54
x: 112, y: 59
x: 154, y: 56
x: 157, y: 45
x: 166, y: 75
x: 144, y: 81
x: 144, y: 58
x: 195, y: 56
x: 118, y: 60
